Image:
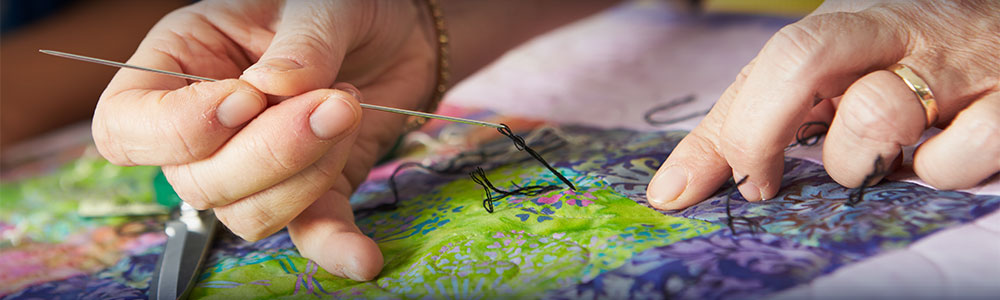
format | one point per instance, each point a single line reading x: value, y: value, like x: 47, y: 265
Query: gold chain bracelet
x: 443, y: 68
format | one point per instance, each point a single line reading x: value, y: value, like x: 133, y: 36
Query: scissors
x: 189, y: 236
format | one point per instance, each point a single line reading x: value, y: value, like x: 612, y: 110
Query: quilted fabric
x: 600, y: 241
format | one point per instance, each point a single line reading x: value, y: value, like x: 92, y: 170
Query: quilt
x: 600, y: 241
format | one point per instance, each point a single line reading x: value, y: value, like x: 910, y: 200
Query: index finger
x: 815, y: 58
x: 154, y: 119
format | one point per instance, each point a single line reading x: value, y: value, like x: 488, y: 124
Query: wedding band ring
x: 921, y: 89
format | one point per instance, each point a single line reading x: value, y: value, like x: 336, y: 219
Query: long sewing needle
x: 199, y: 78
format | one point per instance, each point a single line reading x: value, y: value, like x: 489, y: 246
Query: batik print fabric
x: 600, y: 241
x: 45, y: 244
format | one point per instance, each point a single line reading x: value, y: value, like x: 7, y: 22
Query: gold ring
x: 921, y: 89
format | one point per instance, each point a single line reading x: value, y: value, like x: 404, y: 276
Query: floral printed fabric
x: 601, y: 241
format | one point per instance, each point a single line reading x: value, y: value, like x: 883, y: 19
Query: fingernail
x: 238, y: 108
x: 748, y: 189
x: 332, y: 117
x: 348, y: 88
x: 276, y: 65
x: 666, y: 186
x: 352, y: 275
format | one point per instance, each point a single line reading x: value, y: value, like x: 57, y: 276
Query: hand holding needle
x: 199, y: 78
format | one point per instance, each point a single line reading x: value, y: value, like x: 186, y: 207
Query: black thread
x: 479, y: 176
x: 392, y: 182
x: 753, y: 225
x: 669, y: 105
x: 810, y: 140
x: 522, y: 146
x: 395, y: 191
x: 452, y: 167
x: 878, y: 171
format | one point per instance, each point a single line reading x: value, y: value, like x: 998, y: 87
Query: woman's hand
x: 277, y: 146
x: 831, y: 66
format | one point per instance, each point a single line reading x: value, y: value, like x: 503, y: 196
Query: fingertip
x: 677, y: 204
x: 666, y: 186
x: 367, y: 261
x: 337, y: 115
x: 166, y: 127
x: 854, y: 173
x: 749, y: 189
x: 692, y: 173
x: 348, y: 254
x: 276, y: 65
x: 759, y: 156
x: 239, y: 107
x: 287, y: 77
x: 349, y: 89
x: 267, y: 75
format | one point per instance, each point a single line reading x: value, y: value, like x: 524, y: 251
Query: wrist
x: 435, y: 32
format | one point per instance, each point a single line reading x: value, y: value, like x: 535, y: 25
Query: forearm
x: 481, y: 31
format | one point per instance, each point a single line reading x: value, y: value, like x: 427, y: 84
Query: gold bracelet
x: 443, y: 69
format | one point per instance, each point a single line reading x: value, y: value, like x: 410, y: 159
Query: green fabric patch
x: 443, y: 243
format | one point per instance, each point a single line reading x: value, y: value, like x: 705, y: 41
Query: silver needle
x: 199, y: 78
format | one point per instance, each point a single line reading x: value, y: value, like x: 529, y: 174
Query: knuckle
x: 319, y: 179
x: 114, y: 158
x: 699, y: 144
x: 111, y: 152
x: 794, y: 46
x: 177, y: 143
x: 107, y: 145
x: 164, y: 137
x: 746, y: 149
x: 744, y: 72
x: 313, y: 39
x: 188, y: 140
x: 248, y: 220
x: 188, y: 187
x: 237, y: 225
x: 702, y: 150
x: 313, y: 181
x: 867, y: 115
x: 273, y: 157
x: 811, y: 40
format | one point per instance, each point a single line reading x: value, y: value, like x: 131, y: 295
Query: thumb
x: 305, y: 53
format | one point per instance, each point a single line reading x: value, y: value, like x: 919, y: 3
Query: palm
x: 390, y: 64
x: 387, y: 72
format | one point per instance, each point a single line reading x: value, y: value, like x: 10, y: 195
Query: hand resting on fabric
x: 831, y: 67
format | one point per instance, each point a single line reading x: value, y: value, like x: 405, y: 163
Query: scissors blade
x: 188, y: 241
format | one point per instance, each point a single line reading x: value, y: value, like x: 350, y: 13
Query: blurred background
x: 41, y: 92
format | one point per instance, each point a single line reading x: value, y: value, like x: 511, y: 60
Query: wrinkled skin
x: 281, y: 141
x: 839, y: 55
